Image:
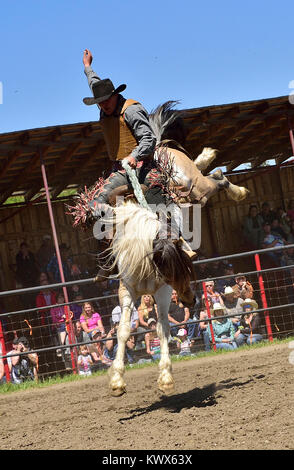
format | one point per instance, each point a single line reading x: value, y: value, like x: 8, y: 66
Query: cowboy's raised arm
x: 89, y: 72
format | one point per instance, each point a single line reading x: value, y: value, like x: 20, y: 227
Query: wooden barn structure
x: 75, y: 155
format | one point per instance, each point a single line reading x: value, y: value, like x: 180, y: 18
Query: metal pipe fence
x: 272, y: 287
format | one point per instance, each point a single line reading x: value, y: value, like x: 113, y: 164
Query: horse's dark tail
x: 173, y: 264
x: 167, y: 123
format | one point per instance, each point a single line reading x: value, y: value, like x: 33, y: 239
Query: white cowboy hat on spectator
x: 217, y: 306
x: 228, y: 290
x: 151, y: 320
x: 251, y: 303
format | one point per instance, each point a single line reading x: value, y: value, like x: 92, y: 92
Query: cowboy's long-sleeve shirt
x: 136, y: 117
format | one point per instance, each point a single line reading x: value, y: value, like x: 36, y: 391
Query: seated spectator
x: 111, y: 346
x: 249, y: 329
x: 203, y: 270
x: 276, y: 229
x: 180, y: 315
x: 58, y: 316
x: 74, y: 291
x: 229, y: 281
x: 147, y: 310
x: 24, y: 367
x: 152, y: 340
x: 183, y: 344
x: 284, y: 220
x: 267, y: 213
x: 2, y: 369
x: 80, y: 335
x: 203, y: 325
x: 213, y: 295
x: 134, y: 322
x: 233, y: 306
x: 45, y: 297
x: 271, y: 241
x: 242, y: 288
x: 53, y: 267
x: 290, y: 211
x: 13, y: 351
x: 45, y: 253
x: 77, y: 307
x: 85, y: 361
x: 252, y: 227
x: 92, y: 325
x: 223, y: 329
x: 290, y: 236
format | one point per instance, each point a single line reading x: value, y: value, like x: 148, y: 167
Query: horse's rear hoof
x: 117, y: 392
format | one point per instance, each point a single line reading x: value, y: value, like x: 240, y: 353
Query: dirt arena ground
x: 239, y: 400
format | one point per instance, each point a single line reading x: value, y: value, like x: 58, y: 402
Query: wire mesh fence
x: 55, y: 335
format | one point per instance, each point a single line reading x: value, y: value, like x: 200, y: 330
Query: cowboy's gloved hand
x: 131, y: 161
x: 87, y: 58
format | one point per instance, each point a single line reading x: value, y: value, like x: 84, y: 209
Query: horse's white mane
x: 135, y: 230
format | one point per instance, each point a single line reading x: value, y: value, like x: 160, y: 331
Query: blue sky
x: 201, y: 53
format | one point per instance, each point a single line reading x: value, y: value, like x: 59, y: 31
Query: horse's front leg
x: 165, y: 380
x: 116, y: 384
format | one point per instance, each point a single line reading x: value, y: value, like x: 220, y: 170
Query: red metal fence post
x: 2, y: 342
x: 263, y: 298
x: 208, y: 314
x: 69, y: 325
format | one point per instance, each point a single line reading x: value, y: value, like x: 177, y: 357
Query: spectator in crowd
x: 290, y: 211
x: 45, y: 253
x: 179, y: 317
x: 267, y: 213
x: 242, y: 288
x: 134, y: 322
x: 249, y: 329
x: 13, y: 351
x: 223, y: 329
x: 58, y: 316
x: 288, y: 260
x: 45, y: 297
x: 216, y: 267
x: 252, y: 227
x: 85, y: 361
x: 229, y: 281
x: 26, y: 267
x: 212, y: 294
x: 146, y: 310
x: 2, y: 369
x: 74, y: 291
x: 24, y: 367
x: 77, y: 307
x: 92, y: 325
x: 183, y: 344
x: 203, y: 270
x: 290, y: 236
x: 233, y: 306
x: 277, y: 230
x: 203, y: 324
x: 152, y: 340
x: 53, y: 268
x: 284, y: 220
x: 272, y: 241
x: 80, y: 335
x: 111, y: 346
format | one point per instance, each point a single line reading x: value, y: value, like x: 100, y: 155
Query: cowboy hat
x: 250, y: 302
x: 102, y: 90
x: 217, y: 306
x: 228, y: 290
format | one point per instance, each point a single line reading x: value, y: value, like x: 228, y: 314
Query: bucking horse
x: 146, y: 255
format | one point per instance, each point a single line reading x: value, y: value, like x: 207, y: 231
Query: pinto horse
x: 147, y: 264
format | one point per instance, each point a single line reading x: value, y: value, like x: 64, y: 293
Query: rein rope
x: 131, y: 172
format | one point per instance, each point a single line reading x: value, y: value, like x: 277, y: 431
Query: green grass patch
x: 57, y: 380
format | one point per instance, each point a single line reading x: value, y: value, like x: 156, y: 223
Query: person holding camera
x: 24, y: 366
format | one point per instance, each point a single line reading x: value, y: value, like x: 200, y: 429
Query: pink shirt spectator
x: 57, y: 314
x: 92, y: 322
